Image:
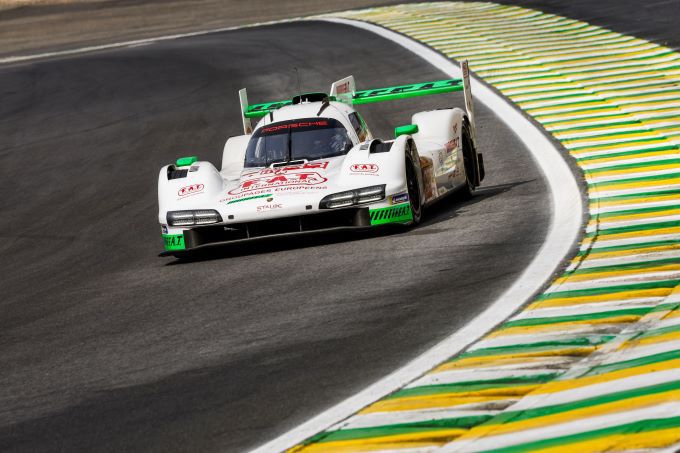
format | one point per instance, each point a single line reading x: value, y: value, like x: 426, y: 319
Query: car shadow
x: 441, y: 211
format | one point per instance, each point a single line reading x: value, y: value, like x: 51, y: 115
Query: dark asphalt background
x: 105, y: 347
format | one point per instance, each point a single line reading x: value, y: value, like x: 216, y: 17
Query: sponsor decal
x: 364, y: 168
x: 190, y: 190
x: 392, y: 214
x: 293, y: 168
x: 398, y: 198
x: 174, y: 241
x: 302, y: 179
x: 452, y: 144
x: 279, y: 127
x: 269, y: 207
x: 164, y: 229
x: 343, y: 88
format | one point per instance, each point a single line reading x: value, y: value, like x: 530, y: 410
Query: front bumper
x: 359, y: 218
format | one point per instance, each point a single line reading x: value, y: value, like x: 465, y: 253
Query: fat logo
x: 364, y: 168
x: 190, y: 190
x: 301, y: 179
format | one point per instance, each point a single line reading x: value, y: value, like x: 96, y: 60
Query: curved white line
x: 562, y: 235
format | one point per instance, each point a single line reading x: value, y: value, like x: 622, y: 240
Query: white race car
x: 311, y: 164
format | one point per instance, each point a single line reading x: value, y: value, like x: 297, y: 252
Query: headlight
x: 353, y: 197
x: 197, y: 217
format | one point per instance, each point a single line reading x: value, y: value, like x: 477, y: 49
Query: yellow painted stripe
x: 633, y: 234
x: 619, y: 273
x: 510, y: 359
x: 631, y: 171
x: 628, y: 295
x: 670, y: 336
x: 594, y: 255
x: 559, y: 386
x: 561, y: 326
x: 644, y: 215
x: 614, y: 159
x: 414, y: 440
x: 643, y: 199
x: 564, y: 417
x: 621, y: 442
x: 448, y: 399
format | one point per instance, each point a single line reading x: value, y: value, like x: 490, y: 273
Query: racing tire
x: 468, y: 189
x: 413, y: 188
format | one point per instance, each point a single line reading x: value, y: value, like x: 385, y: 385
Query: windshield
x: 308, y: 138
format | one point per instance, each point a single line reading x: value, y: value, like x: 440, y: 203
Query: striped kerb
x: 593, y: 364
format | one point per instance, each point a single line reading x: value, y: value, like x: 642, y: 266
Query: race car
x: 311, y: 164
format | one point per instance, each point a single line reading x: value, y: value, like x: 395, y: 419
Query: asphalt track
x: 105, y: 347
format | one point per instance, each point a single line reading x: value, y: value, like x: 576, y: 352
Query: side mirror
x: 409, y: 129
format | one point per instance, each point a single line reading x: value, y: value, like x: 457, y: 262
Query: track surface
x: 105, y: 347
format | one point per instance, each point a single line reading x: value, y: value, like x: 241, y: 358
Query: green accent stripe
x: 249, y: 198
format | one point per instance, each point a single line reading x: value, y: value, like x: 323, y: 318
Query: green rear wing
x: 344, y: 90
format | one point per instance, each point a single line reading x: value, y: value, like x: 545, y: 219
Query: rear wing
x: 344, y: 90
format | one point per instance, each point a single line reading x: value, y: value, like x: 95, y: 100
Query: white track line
x: 133, y: 43
x: 562, y: 235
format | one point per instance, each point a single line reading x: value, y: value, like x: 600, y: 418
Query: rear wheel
x: 468, y: 190
x: 413, y: 191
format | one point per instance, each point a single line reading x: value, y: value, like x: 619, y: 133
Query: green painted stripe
x: 645, y: 141
x: 603, y: 185
x: 598, y: 126
x: 631, y: 196
x: 502, y: 385
x: 641, y: 165
x: 632, y: 228
x: 633, y: 363
x: 658, y: 332
x: 668, y: 284
x: 573, y: 318
x: 640, y: 152
x: 618, y: 248
x: 518, y: 416
x: 622, y: 267
x: 642, y: 426
x: 402, y: 428
x: 542, y: 346
x: 659, y: 209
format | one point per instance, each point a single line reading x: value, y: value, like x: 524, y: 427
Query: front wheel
x: 413, y: 192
